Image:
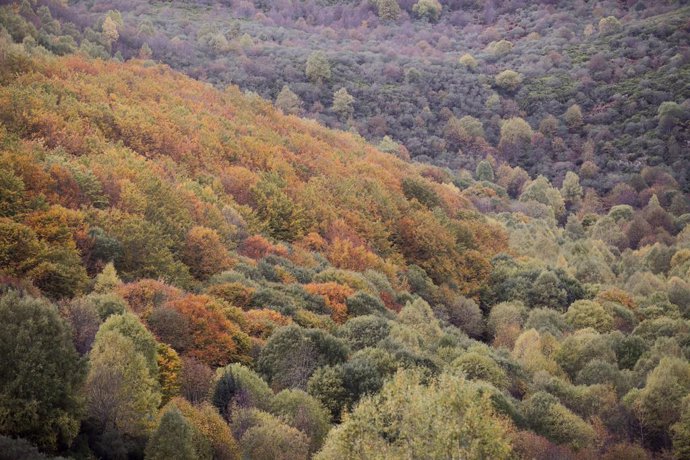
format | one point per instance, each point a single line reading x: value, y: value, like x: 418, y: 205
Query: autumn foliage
x: 216, y: 340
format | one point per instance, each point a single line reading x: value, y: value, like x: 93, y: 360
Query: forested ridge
x: 189, y: 270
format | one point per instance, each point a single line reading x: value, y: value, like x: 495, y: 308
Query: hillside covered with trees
x: 189, y: 270
x: 602, y: 87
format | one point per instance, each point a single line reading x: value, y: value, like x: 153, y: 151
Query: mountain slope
x: 225, y: 281
x: 412, y: 78
x: 223, y: 152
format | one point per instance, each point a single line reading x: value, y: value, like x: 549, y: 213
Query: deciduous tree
x: 509, y: 80
x: 343, y: 104
x: 176, y: 438
x: 408, y: 419
x: 288, y: 101
x: 318, y: 68
x: 41, y: 374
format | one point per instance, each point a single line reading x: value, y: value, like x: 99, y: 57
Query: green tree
x: 465, y: 314
x: 659, y: 404
x: 546, y: 320
x: 107, y: 280
x: 509, y: 80
x: 550, y: 418
x: 122, y: 395
x: 60, y: 272
x: 573, y: 117
x: 670, y: 114
x: 19, y: 448
x: 146, y: 249
x: 288, y: 101
x: 107, y: 305
x: 174, y: 439
x: 40, y: 374
x: 421, y: 191
x: 448, y: 418
x: 681, y: 431
x: 499, y: 48
x: 571, y: 190
x: 586, y: 313
x: 541, y: 191
x: 578, y: 349
x: 609, y: 25
x: 343, y: 104
x: 304, y: 412
x: 429, y: 10
x: 236, y: 385
x: 388, y: 145
x: 269, y: 438
x: 115, y: 16
x: 19, y: 248
x: 361, y: 303
x: 12, y: 189
x: 104, y: 248
x: 479, y: 366
x: 327, y: 385
x: 144, y: 342
x: 471, y: 127
x: 484, y: 171
x: 364, y: 331
x: 514, y: 132
x: 548, y: 125
x: 506, y: 315
x: 293, y: 353
x: 283, y: 218
x: 417, y: 323
x: 574, y: 228
x: 44, y: 253
x: 109, y: 29
x: 365, y: 373
x: 318, y: 68
x: 388, y: 10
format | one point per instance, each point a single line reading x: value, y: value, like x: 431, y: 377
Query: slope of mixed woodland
x: 188, y: 272
x: 435, y: 81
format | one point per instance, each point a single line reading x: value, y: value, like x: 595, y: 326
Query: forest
x: 590, y: 79
x: 330, y: 229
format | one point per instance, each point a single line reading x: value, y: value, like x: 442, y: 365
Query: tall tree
x: 107, y: 280
x: 288, y: 101
x: 122, y: 396
x: 449, y: 418
x: 388, y: 10
x: 40, y: 373
x: 174, y: 439
x: 318, y: 68
x: 343, y: 104
x: 429, y: 10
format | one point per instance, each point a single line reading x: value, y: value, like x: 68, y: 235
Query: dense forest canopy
x: 591, y: 80
x: 344, y: 229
